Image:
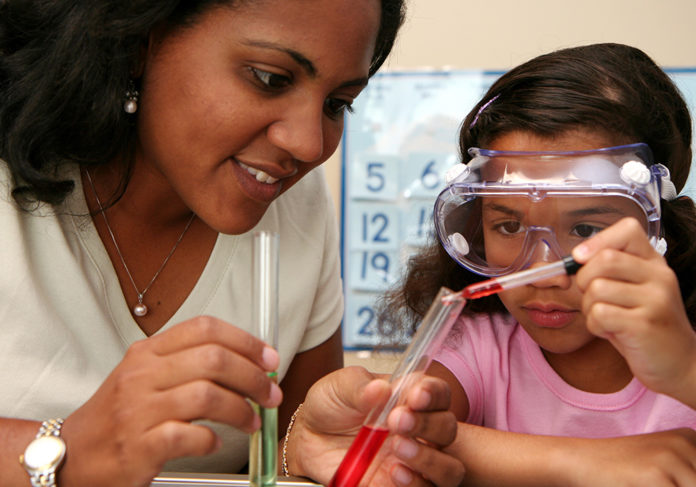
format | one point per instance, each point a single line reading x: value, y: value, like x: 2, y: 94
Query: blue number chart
x: 397, y: 147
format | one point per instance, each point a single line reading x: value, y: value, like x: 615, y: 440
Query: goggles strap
x: 668, y: 191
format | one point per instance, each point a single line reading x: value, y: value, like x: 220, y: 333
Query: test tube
x: 566, y: 265
x: 263, y: 444
x: 429, y: 336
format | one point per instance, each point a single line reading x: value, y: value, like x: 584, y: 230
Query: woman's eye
x: 585, y: 230
x: 335, y: 107
x: 270, y: 80
x: 510, y: 227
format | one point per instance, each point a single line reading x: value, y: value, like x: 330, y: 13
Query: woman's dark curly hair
x: 64, y: 72
x: 607, y: 88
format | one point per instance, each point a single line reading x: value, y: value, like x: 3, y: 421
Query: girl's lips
x: 550, y: 317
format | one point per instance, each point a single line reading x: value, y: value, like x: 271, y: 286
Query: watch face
x: 44, y: 452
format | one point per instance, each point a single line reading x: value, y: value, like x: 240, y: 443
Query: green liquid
x: 263, y: 449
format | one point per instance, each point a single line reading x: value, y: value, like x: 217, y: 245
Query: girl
x: 549, y: 379
x: 141, y: 142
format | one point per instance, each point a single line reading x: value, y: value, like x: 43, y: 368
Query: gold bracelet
x: 285, y: 441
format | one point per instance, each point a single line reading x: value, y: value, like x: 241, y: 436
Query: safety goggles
x: 503, y: 211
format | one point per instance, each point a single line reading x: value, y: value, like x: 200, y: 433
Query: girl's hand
x: 142, y: 415
x: 632, y: 298
x: 663, y: 459
x: 334, y: 411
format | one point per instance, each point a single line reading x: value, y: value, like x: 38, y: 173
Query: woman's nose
x: 300, y: 132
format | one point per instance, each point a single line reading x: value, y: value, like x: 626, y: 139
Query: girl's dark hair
x: 64, y: 72
x: 611, y: 89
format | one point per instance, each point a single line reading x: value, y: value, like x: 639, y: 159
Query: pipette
x: 566, y: 265
x: 432, y: 331
x: 263, y: 444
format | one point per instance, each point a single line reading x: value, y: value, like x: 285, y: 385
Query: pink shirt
x: 511, y: 387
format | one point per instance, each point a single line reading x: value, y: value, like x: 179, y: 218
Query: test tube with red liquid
x: 431, y: 332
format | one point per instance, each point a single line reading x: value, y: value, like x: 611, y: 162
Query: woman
x: 143, y: 141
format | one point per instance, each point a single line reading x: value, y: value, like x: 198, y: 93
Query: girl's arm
x: 631, y: 297
x: 307, y: 368
x: 503, y: 459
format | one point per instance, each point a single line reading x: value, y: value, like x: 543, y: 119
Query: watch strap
x: 46, y: 478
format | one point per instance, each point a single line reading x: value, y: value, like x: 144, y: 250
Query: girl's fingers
x: 436, y: 427
x: 626, y: 235
x: 429, y: 394
x: 426, y: 465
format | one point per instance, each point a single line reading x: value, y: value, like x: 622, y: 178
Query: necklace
x: 139, y: 309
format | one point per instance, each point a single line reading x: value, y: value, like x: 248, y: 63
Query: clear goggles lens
x: 505, y: 211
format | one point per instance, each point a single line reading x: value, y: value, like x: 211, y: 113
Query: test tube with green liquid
x: 263, y: 445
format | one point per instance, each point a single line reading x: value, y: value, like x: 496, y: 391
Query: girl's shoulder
x: 485, y: 327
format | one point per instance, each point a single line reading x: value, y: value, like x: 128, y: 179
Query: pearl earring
x: 131, y: 103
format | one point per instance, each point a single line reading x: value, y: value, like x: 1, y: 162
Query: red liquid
x: 359, y: 456
x: 492, y: 288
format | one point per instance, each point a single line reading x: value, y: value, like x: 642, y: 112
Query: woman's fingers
x: 205, y: 400
x: 205, y: 330
x: 219, y: 365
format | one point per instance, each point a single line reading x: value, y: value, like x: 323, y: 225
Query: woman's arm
x: 15, y: 435
x: 144, y: 413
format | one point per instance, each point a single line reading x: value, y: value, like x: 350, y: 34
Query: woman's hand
x: 335, y: 409
x: 632, y: 298
x: 142, y: 415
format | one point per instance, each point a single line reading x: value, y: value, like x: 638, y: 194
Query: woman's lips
x: 256, y: 184
x: 550, y: 317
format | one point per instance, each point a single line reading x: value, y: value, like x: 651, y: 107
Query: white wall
x: 499, y: 34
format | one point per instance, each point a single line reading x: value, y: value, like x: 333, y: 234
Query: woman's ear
x: 148, y: 48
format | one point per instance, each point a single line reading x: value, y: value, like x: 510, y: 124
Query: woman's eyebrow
x: 303, y: 61
x: 300, y: 59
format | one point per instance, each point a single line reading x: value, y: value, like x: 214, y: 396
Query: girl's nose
x: 300, y: 132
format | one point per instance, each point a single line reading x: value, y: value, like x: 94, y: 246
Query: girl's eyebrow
x: 580, y: 212
x: 596, y: 210
x: 303, y: 62
x: 503, y: 209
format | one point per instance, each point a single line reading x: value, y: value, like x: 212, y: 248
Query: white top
x: 64, y: 323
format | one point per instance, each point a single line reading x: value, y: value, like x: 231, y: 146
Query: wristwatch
x: 45, y: 454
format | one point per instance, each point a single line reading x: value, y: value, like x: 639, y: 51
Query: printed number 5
x: 375, y: 178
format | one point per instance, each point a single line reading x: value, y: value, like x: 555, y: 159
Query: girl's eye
x: 585, y: 230
x: 335, y: 107
x: 510, y: 227
x: 270, y: 80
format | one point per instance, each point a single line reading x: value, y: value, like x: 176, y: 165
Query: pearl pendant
x: 130, y: 106
x: 140, y: 309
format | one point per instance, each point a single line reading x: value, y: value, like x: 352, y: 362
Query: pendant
x: 140, y: 309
